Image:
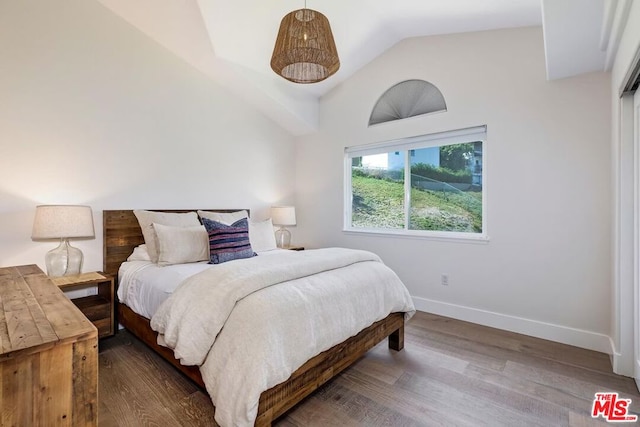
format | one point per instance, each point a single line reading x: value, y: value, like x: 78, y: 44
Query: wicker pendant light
x: 305, y: 51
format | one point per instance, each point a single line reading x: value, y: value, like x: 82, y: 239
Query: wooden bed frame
x: 122, y: 233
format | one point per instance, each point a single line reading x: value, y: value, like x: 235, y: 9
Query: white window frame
x: 460, y: 136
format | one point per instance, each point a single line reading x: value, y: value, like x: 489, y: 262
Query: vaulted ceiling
x: 232, y: 41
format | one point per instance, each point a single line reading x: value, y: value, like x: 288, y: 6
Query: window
x: 430, y: 185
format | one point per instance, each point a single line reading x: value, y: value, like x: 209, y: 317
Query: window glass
x: 378, y: 191
x: 422, y: 185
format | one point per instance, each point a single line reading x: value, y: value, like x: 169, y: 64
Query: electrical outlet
x: 444, y: 279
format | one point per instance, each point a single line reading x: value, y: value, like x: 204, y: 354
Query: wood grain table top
x: 35, y: 313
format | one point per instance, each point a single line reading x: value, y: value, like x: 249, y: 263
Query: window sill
x: 414, y: 234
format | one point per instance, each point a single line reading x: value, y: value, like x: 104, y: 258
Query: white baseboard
x: 534, y: 328
x: 620, y: 364
x: 617, y: 363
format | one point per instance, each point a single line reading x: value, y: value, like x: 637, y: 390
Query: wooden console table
x: 48, y: 354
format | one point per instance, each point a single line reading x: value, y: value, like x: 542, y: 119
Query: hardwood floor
x: 451, y: 373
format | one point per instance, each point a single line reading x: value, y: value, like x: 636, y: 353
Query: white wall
x: 93, y: 112
x: 625, y: 189
x: 546, y: 269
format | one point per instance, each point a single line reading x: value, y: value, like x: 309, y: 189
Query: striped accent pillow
x: 228, y: 242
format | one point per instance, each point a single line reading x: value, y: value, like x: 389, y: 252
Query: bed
x: 122, y: 234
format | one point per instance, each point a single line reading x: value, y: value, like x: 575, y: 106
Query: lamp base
x: 283, y: 238
x: 65, y: 260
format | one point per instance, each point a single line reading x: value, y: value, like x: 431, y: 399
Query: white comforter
x: 251, y: 323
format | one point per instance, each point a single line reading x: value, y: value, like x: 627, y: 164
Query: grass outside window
x: 428, y: 188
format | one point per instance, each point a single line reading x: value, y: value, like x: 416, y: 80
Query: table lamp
x: 63, y: 222
x: 283, y: 215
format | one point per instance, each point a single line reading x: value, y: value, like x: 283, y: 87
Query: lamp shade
x: 62, y: 222
x: 305, y: 51
x: 283, y: 215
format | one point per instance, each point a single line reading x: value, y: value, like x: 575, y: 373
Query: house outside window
x: 429, y: 185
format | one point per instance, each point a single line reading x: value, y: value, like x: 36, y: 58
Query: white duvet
x: 251, y: 323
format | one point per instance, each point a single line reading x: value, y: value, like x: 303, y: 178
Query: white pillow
x: 181, y: 245
x: 140, y: 253
x: 261, y: 236
x: 226, y: 218
x: 146, y: 218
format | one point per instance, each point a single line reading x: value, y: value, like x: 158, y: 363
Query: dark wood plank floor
x: 451, y: 373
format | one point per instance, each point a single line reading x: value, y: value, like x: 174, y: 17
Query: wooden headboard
x: 122, y: 233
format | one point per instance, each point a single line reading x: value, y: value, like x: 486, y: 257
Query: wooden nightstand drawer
x: 94, y: 307
x: 104, y: 327
x: 99, y: 309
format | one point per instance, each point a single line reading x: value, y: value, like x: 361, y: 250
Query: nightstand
x: 296, y: 248
x: 99, y: 309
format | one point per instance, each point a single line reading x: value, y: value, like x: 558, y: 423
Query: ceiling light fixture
x: 305, y: 51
